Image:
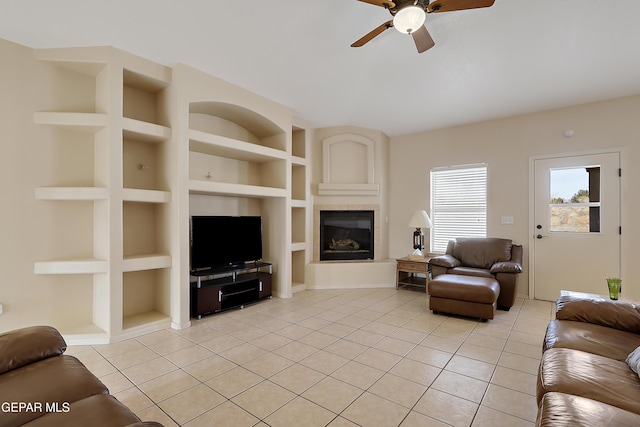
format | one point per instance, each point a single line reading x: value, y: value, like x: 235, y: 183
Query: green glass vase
x: 615, y: 285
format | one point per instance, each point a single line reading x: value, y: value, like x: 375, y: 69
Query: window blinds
x: 458, y: 204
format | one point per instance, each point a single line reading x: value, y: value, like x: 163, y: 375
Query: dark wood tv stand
x: 224, y: 288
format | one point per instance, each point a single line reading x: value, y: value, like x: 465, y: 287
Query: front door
x: 576, y: 227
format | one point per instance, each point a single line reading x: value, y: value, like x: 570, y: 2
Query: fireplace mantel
x: 325, y: 189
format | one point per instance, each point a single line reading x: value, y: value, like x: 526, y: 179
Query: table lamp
x: 419, y: 220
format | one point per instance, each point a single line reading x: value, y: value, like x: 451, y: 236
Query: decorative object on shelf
x: 615, y: 287
x: 419, y: 220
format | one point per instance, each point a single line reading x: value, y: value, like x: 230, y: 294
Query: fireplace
x: 346, y: 235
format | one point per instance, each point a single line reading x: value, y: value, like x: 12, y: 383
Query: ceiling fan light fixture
x: 409, y: 19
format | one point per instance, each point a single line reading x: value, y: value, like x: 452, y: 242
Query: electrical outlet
x: 507, y: 220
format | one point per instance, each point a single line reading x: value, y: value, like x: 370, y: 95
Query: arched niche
x: 348, y: 166
x: 236, y: 122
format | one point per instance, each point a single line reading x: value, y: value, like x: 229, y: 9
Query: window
x: 458, y: 204
x: 575, y: 200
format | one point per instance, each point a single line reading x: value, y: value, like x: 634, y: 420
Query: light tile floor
x: 338, y: 358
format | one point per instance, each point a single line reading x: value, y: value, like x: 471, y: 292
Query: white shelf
x: 85, y: 60
x: 86, y: 334
x: 298, y: 246
x: 299, y: 161
x: 71, y: 193
x: 144, y: 131
x: 145, y: 196
x: 144, y: 323
x: 240, y: 190
x: 216, y: 145
x: 77, y: 266
x: 295, y: 203
x: 88, y: 122
x: 330, y: 189
x: 145, y: 262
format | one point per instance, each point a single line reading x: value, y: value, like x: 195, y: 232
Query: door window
x: 575, y: 200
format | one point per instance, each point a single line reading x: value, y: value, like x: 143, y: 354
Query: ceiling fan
x: 409, y: 17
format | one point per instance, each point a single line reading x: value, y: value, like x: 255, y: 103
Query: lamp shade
x: 420, y: 219
x: 409, y: 19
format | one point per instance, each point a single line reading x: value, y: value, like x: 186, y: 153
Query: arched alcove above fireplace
x: 348, y: 166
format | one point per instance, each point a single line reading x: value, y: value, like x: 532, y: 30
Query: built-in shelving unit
x: 237, y: 154
x: 223, y: 165
x: 242, y: 158
x: 138, y: 148
x: 118, y: 107
x: 300, y: 203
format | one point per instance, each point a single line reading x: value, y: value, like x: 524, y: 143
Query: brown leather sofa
x: 40, y: 386
x: 488, y: 257
x: 584, y: 379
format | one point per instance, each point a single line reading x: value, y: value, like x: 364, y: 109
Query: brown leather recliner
x: 484, y: 257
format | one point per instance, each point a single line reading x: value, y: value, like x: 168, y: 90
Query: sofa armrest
x: 514, y: 265
x: 27, y: 345
x: 506, y: 267
x: 621, y: 315
x: 447, y: 261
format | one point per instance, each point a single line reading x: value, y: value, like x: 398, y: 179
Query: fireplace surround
x: 346, y: 235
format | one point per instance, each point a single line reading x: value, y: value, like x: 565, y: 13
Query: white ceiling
x: 517, y: 56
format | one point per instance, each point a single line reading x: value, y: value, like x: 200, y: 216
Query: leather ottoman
x: 470, y: 296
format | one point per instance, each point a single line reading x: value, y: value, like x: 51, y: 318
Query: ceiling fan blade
x: 382, y: 3
x: 423, y: 39
x: 375, y: 32
x: 452, y: 5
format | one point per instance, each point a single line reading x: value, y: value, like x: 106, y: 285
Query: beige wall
x: 507, y: 145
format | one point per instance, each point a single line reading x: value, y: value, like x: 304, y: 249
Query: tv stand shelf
x: 224, y: 288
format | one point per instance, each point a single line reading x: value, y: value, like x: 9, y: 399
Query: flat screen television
x: 219, y: 241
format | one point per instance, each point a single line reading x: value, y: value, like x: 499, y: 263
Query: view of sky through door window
x: 575, y: 200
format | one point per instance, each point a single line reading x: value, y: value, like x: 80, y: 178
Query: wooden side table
x: 412, y: 272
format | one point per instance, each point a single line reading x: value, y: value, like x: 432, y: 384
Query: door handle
x: 540, y: 236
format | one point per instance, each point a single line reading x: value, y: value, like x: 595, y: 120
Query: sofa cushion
x: 61, y: 379
x: 634, y: 359
x: 481, y: 252
x: 101, y: 410
x: 596, y: 339
x: 27, y: 345
x: 589, y: 375
x: 565, y: 410
x: 599, y: 311
x: 467, y: 271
